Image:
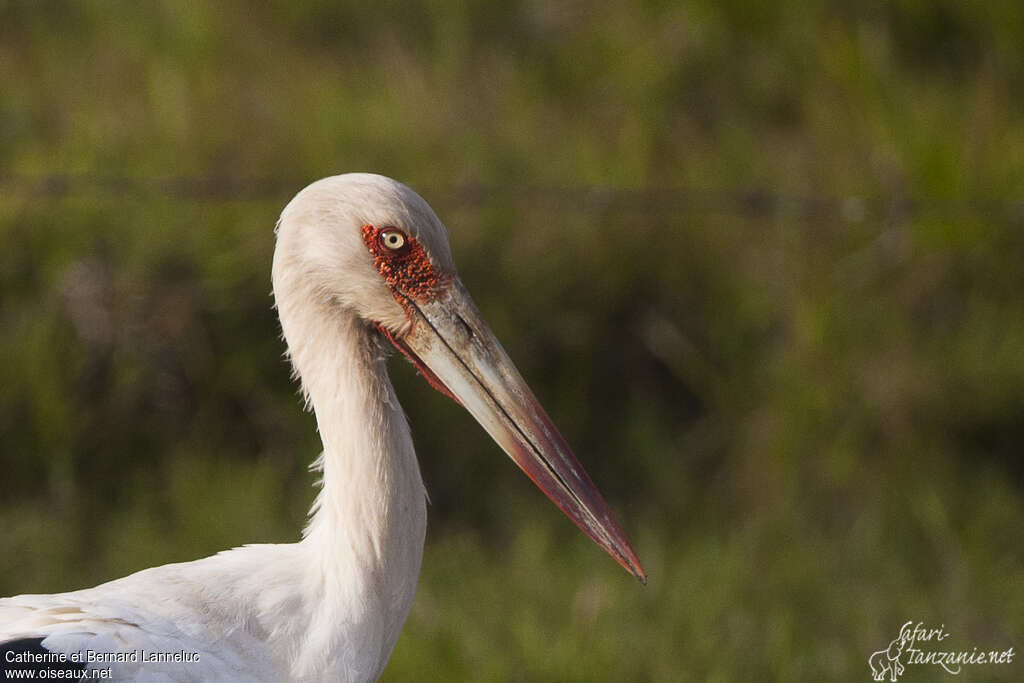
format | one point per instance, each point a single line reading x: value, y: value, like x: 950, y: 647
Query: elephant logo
x: 887, y: 661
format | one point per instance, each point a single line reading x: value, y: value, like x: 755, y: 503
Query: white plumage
x: 331, y: 606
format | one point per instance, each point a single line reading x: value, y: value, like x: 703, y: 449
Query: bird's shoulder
x: 185, y: 621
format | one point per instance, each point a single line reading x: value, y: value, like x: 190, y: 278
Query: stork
x: 361, y: 261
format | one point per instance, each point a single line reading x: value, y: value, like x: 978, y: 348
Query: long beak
x: 457, y: 352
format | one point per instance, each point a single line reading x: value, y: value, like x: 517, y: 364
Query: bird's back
x: 157, y: 624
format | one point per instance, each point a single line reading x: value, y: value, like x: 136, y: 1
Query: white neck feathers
x: 367, y: 527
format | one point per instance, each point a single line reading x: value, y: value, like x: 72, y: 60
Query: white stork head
x: 368, y: 248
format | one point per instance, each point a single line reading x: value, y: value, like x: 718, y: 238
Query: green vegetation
x: 784, y: 329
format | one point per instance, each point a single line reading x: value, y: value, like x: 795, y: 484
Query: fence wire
x: 748, y: 202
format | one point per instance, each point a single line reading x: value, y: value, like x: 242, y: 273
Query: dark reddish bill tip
x: 457, y: 353
x: 547, y: 460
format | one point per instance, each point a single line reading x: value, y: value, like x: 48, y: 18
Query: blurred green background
x: 763, y: 264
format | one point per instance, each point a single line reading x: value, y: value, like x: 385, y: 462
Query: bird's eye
x: 393, y: 239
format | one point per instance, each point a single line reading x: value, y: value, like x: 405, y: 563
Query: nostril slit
x: 469, y: 330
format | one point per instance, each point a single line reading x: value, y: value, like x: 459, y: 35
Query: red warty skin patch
x: 410, y: 276
x: 408, y: 270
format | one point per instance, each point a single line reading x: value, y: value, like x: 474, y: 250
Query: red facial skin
x: 410, y: 275
x: 408, y: 270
